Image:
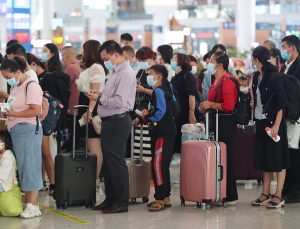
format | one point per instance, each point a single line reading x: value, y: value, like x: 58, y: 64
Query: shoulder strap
x: 36, y: 117
x: 219, y: 89
x: 26, y: 88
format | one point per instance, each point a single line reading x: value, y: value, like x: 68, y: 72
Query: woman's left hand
x: 274, y: 131
x: 205, y: 105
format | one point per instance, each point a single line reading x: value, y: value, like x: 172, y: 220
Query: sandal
x: 167, y: 202
x: 258, y: 202
x: 157, y: 205
x: 274, y: 205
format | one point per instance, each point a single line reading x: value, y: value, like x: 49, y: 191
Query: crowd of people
x: 169, y: 88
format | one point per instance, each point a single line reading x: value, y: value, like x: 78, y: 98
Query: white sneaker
x: 31, y: 211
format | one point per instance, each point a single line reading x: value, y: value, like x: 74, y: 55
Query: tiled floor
x: 243, y: 216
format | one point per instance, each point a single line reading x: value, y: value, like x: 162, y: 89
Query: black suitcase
x: 75, y: 175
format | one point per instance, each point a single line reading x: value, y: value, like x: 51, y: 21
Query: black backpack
x: 292, y: 89
x: 242, y: 111
x: 292, y: 96
x: 49, y: 124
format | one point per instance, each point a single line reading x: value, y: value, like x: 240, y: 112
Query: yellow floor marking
x: 66, y: 215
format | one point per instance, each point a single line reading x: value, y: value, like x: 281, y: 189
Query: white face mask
x: 244, y: 89
x: 2, y: 146
x: 194, y: 70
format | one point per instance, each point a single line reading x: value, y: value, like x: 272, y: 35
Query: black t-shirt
x: 185, y: 84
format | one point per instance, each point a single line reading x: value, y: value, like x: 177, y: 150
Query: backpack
x: 175, y: 103
x: 51, y: 110
x: 291, y: 87
x: 242, y: 111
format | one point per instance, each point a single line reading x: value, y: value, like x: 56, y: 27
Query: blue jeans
x: 27, y: 149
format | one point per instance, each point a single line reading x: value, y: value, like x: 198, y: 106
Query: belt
x: 117, y: 116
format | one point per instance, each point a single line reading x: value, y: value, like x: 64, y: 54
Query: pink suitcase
x: 203, y: 171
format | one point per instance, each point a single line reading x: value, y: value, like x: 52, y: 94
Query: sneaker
x: 45, y: 187
x: 51, y: 190
x: 98, y: 185
x: 31, y: 211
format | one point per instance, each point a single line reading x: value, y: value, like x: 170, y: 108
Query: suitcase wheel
x: 182, y: 201
x: 208, y: 206
x: 133, y: 200
x: 225, y: 204
x: 145, y: 200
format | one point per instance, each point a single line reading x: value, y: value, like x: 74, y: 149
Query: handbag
x: 293, y: 134
x: 97, y: 122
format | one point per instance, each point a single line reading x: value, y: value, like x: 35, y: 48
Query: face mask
x: 109, y: 65
x: 194, y: 70
x: 285, y: 55
x: 244, y: 89
x: 2, y: 146
x: 144, y: 65
x: 211, y: 69
x: 13, y: 82
x: 44, y: 57
x: 174, y: 65
x: 150, y: 81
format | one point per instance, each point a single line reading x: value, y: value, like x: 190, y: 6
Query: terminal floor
x: 242, y: 216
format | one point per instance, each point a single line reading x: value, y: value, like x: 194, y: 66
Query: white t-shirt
x: 91, y: 75
x: 32, y: 75
x: 8, y: 171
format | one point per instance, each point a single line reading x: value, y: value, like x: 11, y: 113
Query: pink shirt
x: 73, y: 70
x: 19, y: 101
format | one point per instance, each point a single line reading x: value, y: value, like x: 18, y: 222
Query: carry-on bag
x: 203, y: 170
x: 243, y: 152
x: 75, y: 175
x: 139, y: 173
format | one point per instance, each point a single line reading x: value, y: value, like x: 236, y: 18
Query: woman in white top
x: 91, y: 78
x: 10, y: 193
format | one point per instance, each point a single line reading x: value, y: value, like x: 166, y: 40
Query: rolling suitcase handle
x: 207, y: 126
x: 141, y: 146
x: 75, y: 108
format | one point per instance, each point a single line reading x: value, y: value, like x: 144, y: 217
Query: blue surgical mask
x: 285, y: 55
x: 44, y: 57
x: 211, y: 69
x: 12, y: 82
x: 144, y: 65
x: 174, y: 65
x: 109, y: 65
x: 150, y: 81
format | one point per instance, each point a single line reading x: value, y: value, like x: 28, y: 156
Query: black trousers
x: 227, y: 131
x: 114, y: 135
x: 162, y: 149
x: 292, y: 181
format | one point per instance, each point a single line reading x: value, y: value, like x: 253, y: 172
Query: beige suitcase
x: 139, y: 174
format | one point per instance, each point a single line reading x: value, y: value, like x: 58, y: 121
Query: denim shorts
x: 27, y: 149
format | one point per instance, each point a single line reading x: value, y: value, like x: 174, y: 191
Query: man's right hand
x: 136, y: 122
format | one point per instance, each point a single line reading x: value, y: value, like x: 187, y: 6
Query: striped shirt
x: 119, y: 94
